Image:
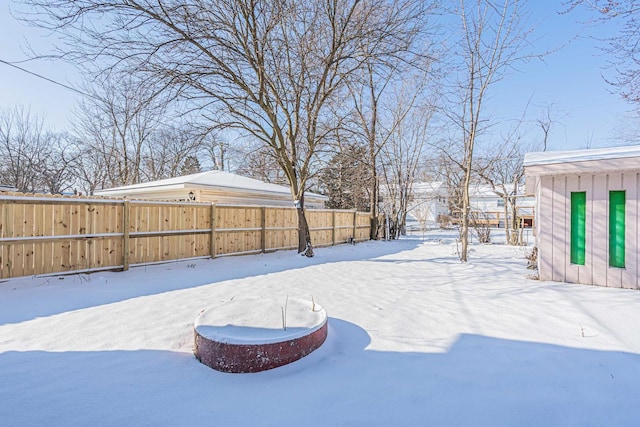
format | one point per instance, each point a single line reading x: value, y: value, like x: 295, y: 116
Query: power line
x: 45, y: 78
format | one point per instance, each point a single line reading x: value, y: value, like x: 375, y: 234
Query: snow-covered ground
x: 415, y: 338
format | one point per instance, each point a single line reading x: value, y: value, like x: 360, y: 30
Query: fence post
x: 126, y: 216
x: 333, y: 227
x: 212, y: 221
x: 355, y: 223
x: 263, y: 231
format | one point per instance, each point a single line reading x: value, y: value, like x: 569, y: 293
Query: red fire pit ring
x: 254, y: 334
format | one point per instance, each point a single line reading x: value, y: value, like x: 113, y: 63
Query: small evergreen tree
x: 346, y: 180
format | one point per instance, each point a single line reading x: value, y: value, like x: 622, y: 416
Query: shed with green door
x: 587, y: 215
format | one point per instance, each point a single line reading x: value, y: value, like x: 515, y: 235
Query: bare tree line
x: 274, y: 70
x: 341, y: 97
x: 34, y: 158
x: 107, y: 148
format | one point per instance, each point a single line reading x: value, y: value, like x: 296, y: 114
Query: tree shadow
x: 21, y: 301
x: 477, y: 381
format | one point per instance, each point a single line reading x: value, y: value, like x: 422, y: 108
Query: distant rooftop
x: 210, y: 178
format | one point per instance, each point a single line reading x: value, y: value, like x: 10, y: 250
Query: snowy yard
x: 415, y: 338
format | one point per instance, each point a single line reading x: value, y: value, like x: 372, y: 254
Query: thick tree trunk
x: 304, y: 235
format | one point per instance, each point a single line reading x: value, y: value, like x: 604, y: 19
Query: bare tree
x: 502, y: 166
x: 217, y: 150
x: 544, y: 122
x: 171, y: 150
x: 116, y: 122
x: 548, y: 118
x: 88, y: 168
x: 33, y: 158
x: 448, y: 171
x: 128, y: 131
x: 57, y: 175
x: 494, y: 38
x: 366, y: 95
x: 21, y: 144
x: 503, y: 170
x: 266, y: 68
x: 403, y: 152
x: 260, y: 163
x: 377, y: 79
x: 624, y: 46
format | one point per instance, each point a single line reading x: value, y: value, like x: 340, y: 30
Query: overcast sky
x: 570, y: 79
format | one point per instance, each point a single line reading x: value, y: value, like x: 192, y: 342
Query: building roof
x: 553, y: 157
x: 219, y: 180
x: 599, y: 160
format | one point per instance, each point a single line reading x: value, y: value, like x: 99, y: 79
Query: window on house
x: 617, y: 201
x: 578, y: 226
x: 500, y: 203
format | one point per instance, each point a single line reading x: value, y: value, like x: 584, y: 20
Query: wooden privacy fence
x: 41, y: 234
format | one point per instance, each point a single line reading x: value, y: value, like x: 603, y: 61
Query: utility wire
x: 46, y: 78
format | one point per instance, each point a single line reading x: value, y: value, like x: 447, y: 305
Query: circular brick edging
x: 241, y: 336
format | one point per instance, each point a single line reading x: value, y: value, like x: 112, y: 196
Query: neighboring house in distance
x: 215, y: 187
x: 485, y: 201
x: 587, y: 215
x: 430, y: 203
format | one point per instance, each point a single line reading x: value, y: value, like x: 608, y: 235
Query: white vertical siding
x: 599, y: 216
x: 630, y: 272
x: 585, y: 274
x: 544, y: 229
x: 559, y: 228
x: 572, y: 270
x: 614, y: 274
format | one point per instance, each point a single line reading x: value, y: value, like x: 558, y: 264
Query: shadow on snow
x: 479, y: 380
x: 60, y: 294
